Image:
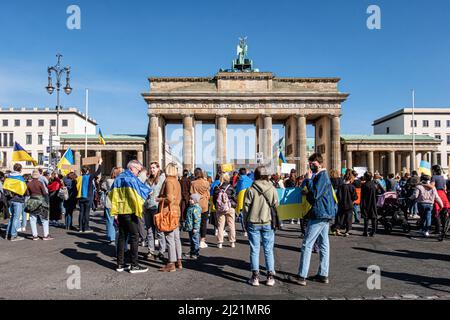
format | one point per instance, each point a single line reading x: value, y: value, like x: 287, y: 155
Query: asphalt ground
x: 411, y: 267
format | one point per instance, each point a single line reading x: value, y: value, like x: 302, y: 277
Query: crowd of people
x: 151, y: 207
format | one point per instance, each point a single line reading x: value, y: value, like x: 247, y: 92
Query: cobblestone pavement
x: 412, y: 267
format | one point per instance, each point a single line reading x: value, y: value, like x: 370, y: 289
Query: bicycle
x: 445, y: 220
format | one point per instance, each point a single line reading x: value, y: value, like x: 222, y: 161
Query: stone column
x: 78, y: 161
x: 119, y: 161
x: 153, y: 139
x: 349, y: 159
x: 435, y: 158
x: 188, y: 140
x: 98, y: 154
x: 399, y: 163
x: 140, y: 157
x: 408, y: 162
x: 221, y: 139
x: 336, y: 143
x: 301, y: 144
x: 391, y: 162
x: 370, y: 162
x: 267, y: 143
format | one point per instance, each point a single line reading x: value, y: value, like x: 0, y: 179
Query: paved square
x: 411, y: 268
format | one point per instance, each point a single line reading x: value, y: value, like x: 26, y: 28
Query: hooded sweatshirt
x: 256, y: 210
x: 427, y: 195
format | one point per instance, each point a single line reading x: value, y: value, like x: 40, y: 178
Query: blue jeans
x: 256, y: 235
x: 16, y: 209
x: 317, y: 230
x: 425, y: 210
x: 356, y: 212
x: 195, y: 243
x: 23, y: 222
x: 33, y: 224
x: 110, y: 230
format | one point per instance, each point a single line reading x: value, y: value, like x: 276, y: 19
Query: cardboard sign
x: 287, y: 167
x: 90, y: 161
x: 227, y: 167
x: 68, y: 167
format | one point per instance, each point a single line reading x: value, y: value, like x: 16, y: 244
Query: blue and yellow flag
x: 128, y: 195
x: 242, y: 185
x: 100, y: 137
x: 66, y: 159
x: 281, y: 158
x: 15, y: 184
x: 425, y: 168
x: 19, y: 154
x: 292, y: 204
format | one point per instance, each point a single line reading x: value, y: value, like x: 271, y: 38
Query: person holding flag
x: 16, y: 188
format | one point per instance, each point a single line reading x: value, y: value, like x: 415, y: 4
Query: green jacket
x: 256, y: 210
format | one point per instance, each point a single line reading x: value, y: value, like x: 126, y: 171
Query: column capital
x: 187, y: 115
x: 218, y: 116
x: 154, y: 115
x: 297, y: 116
x: 267, y: 115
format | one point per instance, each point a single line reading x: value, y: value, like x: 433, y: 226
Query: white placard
x: 287, y: 167
x: 360, y: 171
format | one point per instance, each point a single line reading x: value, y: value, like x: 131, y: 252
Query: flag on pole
x: 425, y: 168
x: 67, y: 159
x: 19, y: 154
x: 100, y: 137
x: 281, y: 158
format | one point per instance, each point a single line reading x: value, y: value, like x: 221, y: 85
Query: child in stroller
x: 391, y: 212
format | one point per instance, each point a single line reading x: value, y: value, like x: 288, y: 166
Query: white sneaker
x: 225, y: 234
x: 203, y: 245
x: 219, y: 246
x: 233, y: 245
x: 245, y: 234
x: 426, y: 234
x: 216, y: 233
x: 416, y: 216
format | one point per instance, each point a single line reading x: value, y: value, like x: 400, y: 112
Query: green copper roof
x: 121, y: 137
x: 388, y: 137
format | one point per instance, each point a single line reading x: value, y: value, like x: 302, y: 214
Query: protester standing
x: 70, y: 181
x: 156, y: 181
x: 170, y: 199
x: 346, y: 196
x: 16, y: 198
x: 85, y: 188
x: 258, y: 201
x: 127, y: 196
x: 369, y: 204
x: 201, y: 186
x: 320, y: 196
x: 224, y: 200
x: 38, y: 206
x: 192, y: 225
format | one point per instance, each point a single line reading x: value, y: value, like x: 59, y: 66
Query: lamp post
x: 59, y: 71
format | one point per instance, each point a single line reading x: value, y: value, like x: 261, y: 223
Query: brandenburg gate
x: 245, y: 95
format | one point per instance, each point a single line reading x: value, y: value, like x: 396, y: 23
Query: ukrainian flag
x: 292, y: 205
x: 100, y: 137
x: 425, y: 168
x: 242, y: 185
x: 19, y: 154
x: 15, y: 184
x: 281, y: 158
x: 128, y: 195
x: 66, y: 159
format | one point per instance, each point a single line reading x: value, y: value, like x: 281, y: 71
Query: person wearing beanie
x: 192, y: 224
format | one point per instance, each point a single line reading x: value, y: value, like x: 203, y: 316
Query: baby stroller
x: 391, y: 212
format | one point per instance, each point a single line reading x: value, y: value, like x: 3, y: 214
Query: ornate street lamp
x: 59, y: 71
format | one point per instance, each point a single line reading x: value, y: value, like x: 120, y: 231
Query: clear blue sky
x: 122, y: 43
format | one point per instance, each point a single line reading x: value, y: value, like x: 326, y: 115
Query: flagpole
x: 413, y: 130
x: 85, y: 125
